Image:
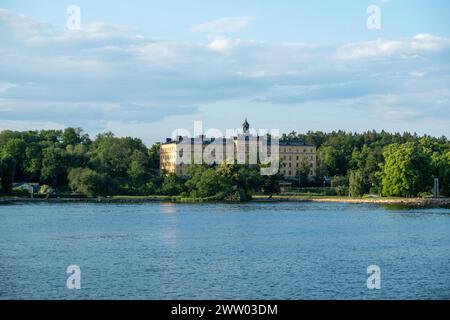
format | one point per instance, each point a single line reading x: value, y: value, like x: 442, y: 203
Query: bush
x: 20, y: 192
x: 330, y: 192
x: 339, y: 181
x: 236, y: 197
x: 341, y: 190
x: 425, y: 195
x: 91, y: 183
x: 358, y: 184
x: 173, y: 185
x: 46, y: 189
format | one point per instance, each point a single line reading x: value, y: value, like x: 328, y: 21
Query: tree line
x: 389, y: 164
x: 69, y: 161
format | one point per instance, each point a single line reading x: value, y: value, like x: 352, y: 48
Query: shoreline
x: 257, y: 199
x: 389, y: 201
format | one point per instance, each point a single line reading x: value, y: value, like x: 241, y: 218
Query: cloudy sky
x: 146, y: 68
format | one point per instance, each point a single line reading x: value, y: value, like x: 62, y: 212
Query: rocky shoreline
x: 400, y: 201
x: 444, y: 202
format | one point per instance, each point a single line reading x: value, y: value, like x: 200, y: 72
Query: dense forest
x: 380, y: 162
x: 69, y: 162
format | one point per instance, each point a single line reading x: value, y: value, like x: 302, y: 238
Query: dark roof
x: 296, y: 144
x: 22, y: 183
x: 204, y: 140
x: 282, y: 143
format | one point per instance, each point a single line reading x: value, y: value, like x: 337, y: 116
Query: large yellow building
x: 292, y: 154
x: 171, y: 153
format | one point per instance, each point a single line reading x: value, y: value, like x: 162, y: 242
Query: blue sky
x: 145, y: 68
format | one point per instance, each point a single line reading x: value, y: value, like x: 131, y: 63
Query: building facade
x: 292, y: 155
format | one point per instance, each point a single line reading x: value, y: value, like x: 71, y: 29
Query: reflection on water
x: 224, y: 251
x: 399, y: 207
x: 168, y: 207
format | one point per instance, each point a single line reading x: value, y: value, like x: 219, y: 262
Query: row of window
x: 291, y: 173
x: 167, y: 157
x: 289, y: 164
x: 297, y: 150
x: 298, y: 158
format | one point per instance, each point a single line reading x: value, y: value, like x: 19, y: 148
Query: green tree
x: 153, y: 154
x: 137, y: 176
x: 407, y: 170
x: 54, y: 166
x: 173, y: 185
x: 51, y: 136
x: 16, y: 148
x: 303, y: 172
x: 240, y: 181
x: 7, y: 170
x: 206, y: 182
x: 90, y: 183
x: 48, y: 155
x: 441, y: 169
x: 357, y: 183
x: 78, y: 155
x: 271, y: 184
x: 327, y: 157
x: 125, y: 159
x: 74, y: 136
x: 340, y: 185
x: 32, y: 163
x: 46, y: 189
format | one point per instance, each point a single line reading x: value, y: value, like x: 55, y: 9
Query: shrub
x: 46, y: 189
x: 339, y: 181
x: 91, y: 183
x: 20, y: 192
x: 341, y: 190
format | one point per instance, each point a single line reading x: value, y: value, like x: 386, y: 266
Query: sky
x: 147, y: 68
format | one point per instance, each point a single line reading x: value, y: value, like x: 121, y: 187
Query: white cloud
x: 417, y: 74
x: 106, y: 74
x: 27, y: 125
x: 382, y: 48
x: 223, y: 45
x: 223, y: 25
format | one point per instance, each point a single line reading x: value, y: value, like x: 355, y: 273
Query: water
x: 223, y: 251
